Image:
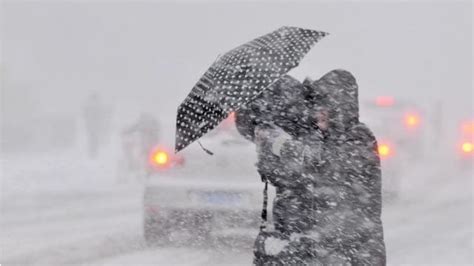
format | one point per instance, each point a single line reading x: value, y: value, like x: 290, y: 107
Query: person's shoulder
x: 366, y: 141
x: 361, y: 131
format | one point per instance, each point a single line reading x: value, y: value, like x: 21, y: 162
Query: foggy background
x: 146, y: 56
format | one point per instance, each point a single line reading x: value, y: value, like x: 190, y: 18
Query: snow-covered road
x: 98, y: 224
x: 425, y: 227
x: 71, y: 228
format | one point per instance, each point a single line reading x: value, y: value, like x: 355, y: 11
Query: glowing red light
x: 385, y: 150
x: 160, y: 158
x: 467, y: 147
x: 468, y: 128
x: 384, y: 101
x: 412, y: 120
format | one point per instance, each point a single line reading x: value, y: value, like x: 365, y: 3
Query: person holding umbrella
x: 284, y: 140
x: 314, y: 148
x: 328, y: 204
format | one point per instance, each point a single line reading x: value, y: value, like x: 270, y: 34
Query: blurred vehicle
x: 196, y: 198
x: 465, y: 145
x: 400, y: 129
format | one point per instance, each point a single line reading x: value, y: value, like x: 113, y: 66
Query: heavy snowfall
x: 89, y: 94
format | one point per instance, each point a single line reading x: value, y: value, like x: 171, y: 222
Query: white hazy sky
x: 148, y: 55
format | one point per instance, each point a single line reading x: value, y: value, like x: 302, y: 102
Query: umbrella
x: 238, y: 77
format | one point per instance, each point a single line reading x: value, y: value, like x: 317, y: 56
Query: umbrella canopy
x: 238, y: 77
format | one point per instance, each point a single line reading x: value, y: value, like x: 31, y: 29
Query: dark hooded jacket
x: 277, y: 123
x: 328, y: 205
x: 347, y: 180
x: 277, y: 117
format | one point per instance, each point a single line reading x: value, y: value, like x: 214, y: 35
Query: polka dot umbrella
x: 239, y: 76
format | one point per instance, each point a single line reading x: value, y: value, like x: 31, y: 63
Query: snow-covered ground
x: 60, y: 208
x: 65, y: 209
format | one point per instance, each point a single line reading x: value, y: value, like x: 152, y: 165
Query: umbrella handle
x: 265, y: 204
x: 204, y: 149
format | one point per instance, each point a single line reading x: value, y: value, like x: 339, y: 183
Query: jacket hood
x: 337, y: 91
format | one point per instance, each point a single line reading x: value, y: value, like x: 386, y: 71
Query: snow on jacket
x: 328, y: 204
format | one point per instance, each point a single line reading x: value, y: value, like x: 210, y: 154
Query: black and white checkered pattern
x: 238, y: 77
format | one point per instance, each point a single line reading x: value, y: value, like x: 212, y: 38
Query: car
x: 197, y: 198
x: 400, y: 129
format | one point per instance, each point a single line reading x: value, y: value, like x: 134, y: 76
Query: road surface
x: 99, y: 223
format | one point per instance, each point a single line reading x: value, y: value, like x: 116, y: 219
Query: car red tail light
x: 385, y: 150
x: 384, y: 101
x: 412, y: 120
x: 160, y: 158
x: 466, y: 144
x: 467, y: 148
x: 468, y: 128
